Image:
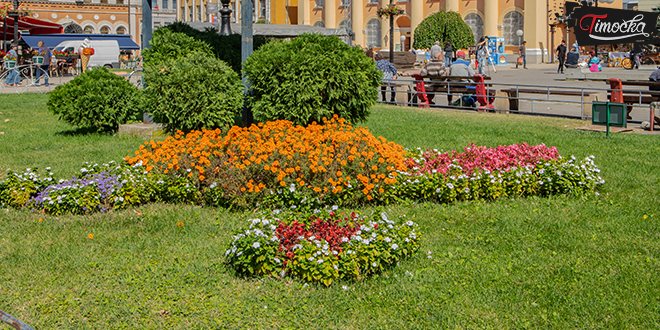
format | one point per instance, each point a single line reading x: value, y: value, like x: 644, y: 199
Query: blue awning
x: 52, y: 40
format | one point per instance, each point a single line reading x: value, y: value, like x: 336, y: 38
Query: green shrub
x: 226, y: 48
x: 168, y: 45
x: 443, y: 26
x: 311, y: 77
x: 193, y: 92
x: 97, y: 99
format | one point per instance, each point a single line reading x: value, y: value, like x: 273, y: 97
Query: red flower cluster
x: 333, y: 230
x: 477, y: 158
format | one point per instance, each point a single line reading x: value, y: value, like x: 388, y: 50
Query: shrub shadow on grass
x: 83, y: 131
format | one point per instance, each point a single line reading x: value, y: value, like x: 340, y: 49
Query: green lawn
x: 537, y: 263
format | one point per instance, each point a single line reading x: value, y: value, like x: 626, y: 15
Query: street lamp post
x: 520, y: 34
x: 391, y: 35
x: 403, y: 42
x: 225, y: 12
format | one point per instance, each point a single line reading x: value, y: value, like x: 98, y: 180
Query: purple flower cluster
x: 104, y: 182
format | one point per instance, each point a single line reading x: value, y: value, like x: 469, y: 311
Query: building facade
x: 89, y: 16
x: 494, y: 18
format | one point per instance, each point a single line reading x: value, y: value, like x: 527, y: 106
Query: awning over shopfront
x: 51, y: 40
x: 275, y: 30
x: 31, y: 25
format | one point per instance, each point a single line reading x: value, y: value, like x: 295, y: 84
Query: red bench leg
x: 482, y: 95
x: 422, y: 99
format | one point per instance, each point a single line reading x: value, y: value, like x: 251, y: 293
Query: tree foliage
x: 443, y: 26
x: 166, y: 45
x: 193, y: 92
x: 226, y: 48
x: 311, y: 77
x: 97, y: 99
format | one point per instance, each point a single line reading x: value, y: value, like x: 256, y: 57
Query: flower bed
x: 321, y: 246
x: 280, y: 164
x: 490, y: 173
x: 98, y: 188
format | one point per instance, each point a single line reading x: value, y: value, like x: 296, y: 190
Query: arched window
x: 373, y: 33
x: 73, y: 28
x: 513, y: 22
x: 319, y: 24
x: 88, y: 29
x: 105, y: 30
x: 121, y: 30
x: 343, y: 25
x: 475, y: 23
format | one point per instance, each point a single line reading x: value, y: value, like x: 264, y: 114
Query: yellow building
x: 494, y: 18
x: 265, y: 11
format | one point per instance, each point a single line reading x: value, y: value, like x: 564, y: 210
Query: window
x: 199, y: 13
x: 73, y: 28
x: 88, y: 29
x: 105, y: 30
x: 513, y: 22
x: 120, y: 2
x: 234, y: 14
x: 373, y: 33
x: 319, y: 24
x: 174, y: 4
x: 104, y: 1
x: 475, y: 23
x: 262, y: 8
x: 165, y: 4
x: 319, y: 4
x: 190, y: 14
x: 345, y: 2
x: 121, y: 30
x: 343, y: 25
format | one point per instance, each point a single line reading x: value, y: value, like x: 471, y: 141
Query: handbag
x: 520, y: 61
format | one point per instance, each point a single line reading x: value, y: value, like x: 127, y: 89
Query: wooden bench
x: 513, y: 94
x: 618, y: 95
x: 402, y: 60
x: 452, y: 85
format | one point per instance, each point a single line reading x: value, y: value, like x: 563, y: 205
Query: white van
x: 106, y: 52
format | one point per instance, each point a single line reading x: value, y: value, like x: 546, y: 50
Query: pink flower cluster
x: 479, y: 158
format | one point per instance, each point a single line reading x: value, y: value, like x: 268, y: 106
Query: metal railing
x: 581, y: 97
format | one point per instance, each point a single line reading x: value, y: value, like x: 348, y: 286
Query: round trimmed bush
x: 97, y: 99
x: 167, y: 45
x: 443, y: 26
x: 194, y: 92
x: 311, y: 77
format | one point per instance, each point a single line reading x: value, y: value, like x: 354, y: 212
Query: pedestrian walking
x: 11, y: 64
x: 482, y: 55
x: 449, y: 53
x: 561, y: 56
x: 522, y: 52
x: 45, y: 64
x: 435, y: 49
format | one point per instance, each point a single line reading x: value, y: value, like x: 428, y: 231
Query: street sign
x: 211, y: 7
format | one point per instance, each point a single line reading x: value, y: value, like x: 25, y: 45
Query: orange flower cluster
x: 319, y: 160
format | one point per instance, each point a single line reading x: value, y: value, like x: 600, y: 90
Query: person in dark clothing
x: 572, y: 58
x: 449, y: 54
x: 561, y: 56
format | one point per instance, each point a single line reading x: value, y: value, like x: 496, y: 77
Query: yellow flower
x: 90, y: 236
x: 179, y: 224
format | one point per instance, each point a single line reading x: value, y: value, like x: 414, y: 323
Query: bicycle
x: 135, y: 77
